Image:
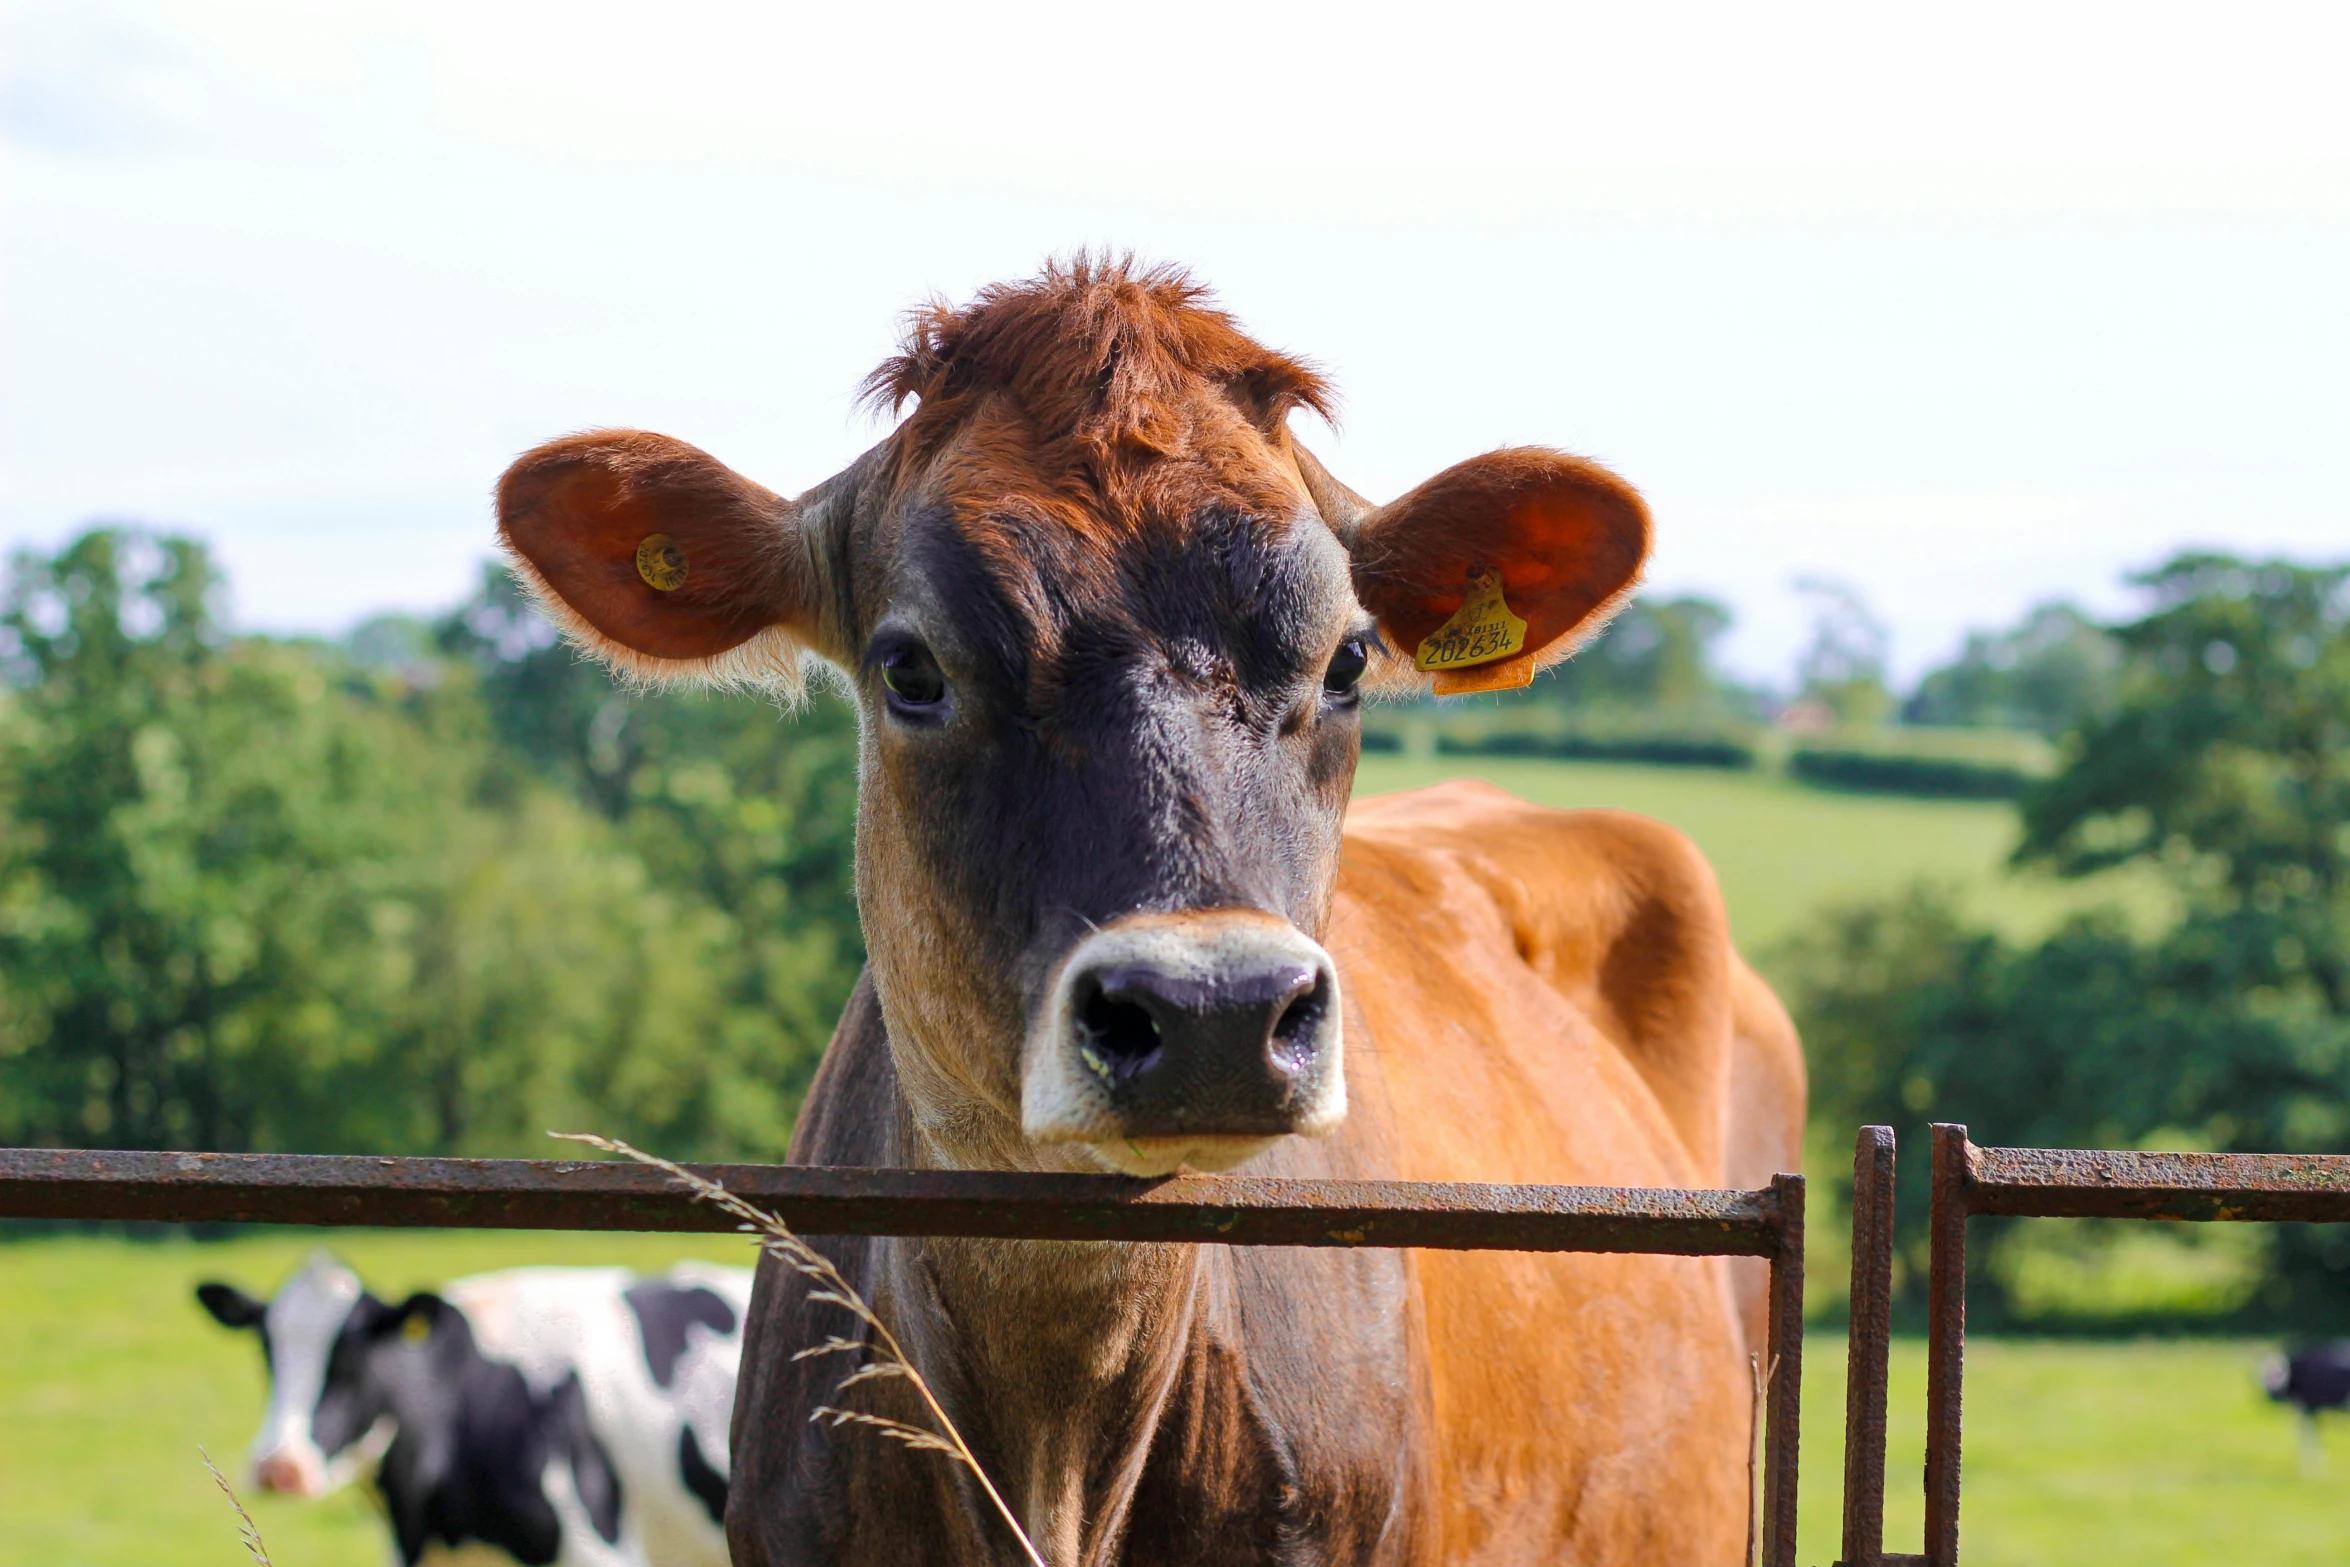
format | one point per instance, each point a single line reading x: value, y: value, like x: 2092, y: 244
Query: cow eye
x: 1346, y: 667
x: 913, y: 677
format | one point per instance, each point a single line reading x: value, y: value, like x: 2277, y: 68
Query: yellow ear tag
x: 1480, y: 631
x: 416, y: 1330
x: 661, y: 563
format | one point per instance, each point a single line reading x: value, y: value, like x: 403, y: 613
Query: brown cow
x: 1107, y: 624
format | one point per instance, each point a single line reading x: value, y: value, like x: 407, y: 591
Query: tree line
x: 436, y: 887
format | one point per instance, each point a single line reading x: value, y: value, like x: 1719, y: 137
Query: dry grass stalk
x: 778, y: 1241
x: 1754, y: 1455
x: 248, y: 1531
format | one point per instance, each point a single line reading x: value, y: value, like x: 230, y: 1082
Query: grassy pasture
x: 2161, y: 1454
x: 1782, y: 849
x: 111, y: 1374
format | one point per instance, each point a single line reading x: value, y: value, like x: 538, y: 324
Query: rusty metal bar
x: 1946, y: 1339
x: 557, y: 1194
x: 1868, y: 1348
x: 2071, y: 1183
x: 2066, y: 1183
x: 1784, y: 1408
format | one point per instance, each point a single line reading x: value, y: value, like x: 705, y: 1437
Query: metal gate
x: 559, y: 1194
x: 2046, y: 1183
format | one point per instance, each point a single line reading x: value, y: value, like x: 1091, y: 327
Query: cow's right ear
x: 231, y: 1307
x: 663, y: 561
x: 413, y: 1319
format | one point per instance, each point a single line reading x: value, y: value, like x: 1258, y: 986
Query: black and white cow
x: 2311, y: 1378
x: 562, y: 1415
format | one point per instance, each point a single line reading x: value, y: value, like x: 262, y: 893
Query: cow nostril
x: 1293, y: 1032
x: 1117, y: 1038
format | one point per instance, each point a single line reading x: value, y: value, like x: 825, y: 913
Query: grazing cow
x: 572, y: 1415
x: 2312, y: 1378
x: 1108, y: 625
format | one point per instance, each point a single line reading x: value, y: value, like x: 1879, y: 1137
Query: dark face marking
x: 1141, y: 729
x: 665, y: 1311
x: 1156, y: 723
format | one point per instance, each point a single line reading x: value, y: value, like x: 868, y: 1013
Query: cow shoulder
x: 1459, y: 886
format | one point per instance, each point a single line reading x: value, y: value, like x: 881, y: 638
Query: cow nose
x: 1191, y: 1038
x: 282, y: 1472
x: 1134, y: 1019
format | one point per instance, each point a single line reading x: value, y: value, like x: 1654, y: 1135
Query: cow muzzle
x: 1187, y: 1039
x: 290, y: 1471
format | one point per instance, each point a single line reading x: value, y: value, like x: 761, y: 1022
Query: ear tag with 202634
x: 1468, y: 652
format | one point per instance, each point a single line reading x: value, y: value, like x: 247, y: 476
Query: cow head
x: 1108, y: 625
x: 331, y: 1349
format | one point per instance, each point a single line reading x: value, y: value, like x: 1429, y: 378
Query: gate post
x: 1784, y: 1377
x: 1868, y: 1347
x: 1946, y: 1339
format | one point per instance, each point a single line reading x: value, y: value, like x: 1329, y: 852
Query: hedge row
x: 1656, y: 750
x: 1881, y: 772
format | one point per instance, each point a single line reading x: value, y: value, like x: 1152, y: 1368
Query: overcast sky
x: 1971, y: 306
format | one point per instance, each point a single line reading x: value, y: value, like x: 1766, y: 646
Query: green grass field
x: 2158, y: 1454
x: 1783, y: 849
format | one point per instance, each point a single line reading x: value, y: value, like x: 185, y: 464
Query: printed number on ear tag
x: 661, y: 563
x: 1480, y: 631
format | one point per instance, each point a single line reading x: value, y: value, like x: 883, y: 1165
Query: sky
x: 1970, y: 307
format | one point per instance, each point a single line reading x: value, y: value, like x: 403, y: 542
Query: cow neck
x: 1057, y: 1357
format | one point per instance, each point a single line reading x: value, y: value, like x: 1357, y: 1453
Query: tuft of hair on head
x: 1101, y: 346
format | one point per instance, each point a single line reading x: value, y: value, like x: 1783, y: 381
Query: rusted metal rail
x: 2063, y: 1183
x: 572, y: 1194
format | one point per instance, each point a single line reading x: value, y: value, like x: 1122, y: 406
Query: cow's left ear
x: 661, y: 560
x: 231, y: 1307
x: 1499, y: 565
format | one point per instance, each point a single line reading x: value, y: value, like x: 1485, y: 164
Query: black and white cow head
x: 334, y: 1353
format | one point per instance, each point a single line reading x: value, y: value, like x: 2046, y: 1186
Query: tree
x: 2055, y: 670
x: 265, y: 894
x: 1843, y: 666
x: 199, y: 835
x: 1655, y: 659
x: 2226, y: 761
x: 726, y: 801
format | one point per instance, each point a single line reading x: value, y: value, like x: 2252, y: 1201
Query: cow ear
x: 231, y: 1307
x: 413, y: 1319
x: 1500, y: 565
x: 663, y: 561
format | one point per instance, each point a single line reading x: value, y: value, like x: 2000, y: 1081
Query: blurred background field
x: 1784, y: 850
x: 2154, y: 1452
